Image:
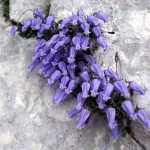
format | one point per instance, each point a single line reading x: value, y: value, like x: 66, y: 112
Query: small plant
x: 5, y: 9
x: 63, y: 54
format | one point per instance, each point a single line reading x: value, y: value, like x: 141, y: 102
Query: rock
x: 21, y: 10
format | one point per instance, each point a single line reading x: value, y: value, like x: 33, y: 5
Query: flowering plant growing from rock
x: 63, y: 54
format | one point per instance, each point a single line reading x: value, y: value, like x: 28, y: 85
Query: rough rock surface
x: 28, y: 120
x: 21, y: 10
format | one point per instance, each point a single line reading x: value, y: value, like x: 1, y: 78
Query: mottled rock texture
x: 28, y: 119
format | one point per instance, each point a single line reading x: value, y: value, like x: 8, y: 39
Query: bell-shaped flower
x: 63, y: 32
x: 97, y: 31
x: 115, y: 131
x: 97, y: 70
x: 85, y: 89
x: 36, y: 23
x: 103, y: 81
x: 128, y: 108
x: 80, y: 101
x: 85, y: 43
x: 102, y: 16
x: 136, y: 87
x: 80, y: 12
x: 74, y: 112
x: 43, y: 68
x: 110, y: 73
x: 40, y: 44
x: 62, y: 67
x: 45, y: 50
x: 49, y: 22
x: 84, y: 115
x: 81, y: 65
x: 56, y: 59
x: 41, y: 31
x: 56, y: 48
x: 59, y: 92
x: 71, y: 86
x: 74, y: 20
x: 65, y: 40
x: 93, y: 20
x: 142, y: 115
x: 13, y: 30
x: 63, y: 83
x: 76, y: 41
x: 90, y: 59
x: 53, y: 40
x: 102, y: 42
x: 72, y: 55
x: 26, y: 25
x: 71, y: 72
x: 95, y: 84
x: 85, y: 76
x: 100, y: 101
x: 36, y: 56
x: 108, y: 89
x: 49, y: 71
x: 65, y: 23
x: 86, y: 28
x: 33, y: 65
x: 54, y: 77
x: 121, y: 87
x: 111, y: 114
x: 39, y: 13
x: 48, y: 59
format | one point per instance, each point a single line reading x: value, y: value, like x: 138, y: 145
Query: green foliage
x: 5, y: 9
x: 47, y: 9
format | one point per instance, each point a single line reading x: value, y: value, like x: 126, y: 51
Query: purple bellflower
x: 86, y: 28
x: 110, y: 73
x: 143, y: 118
x: 48, y: 59
x: 39, y: 13
x: 80, y: 12
x: 54, y: 39
x: 136, y: 87
x: 59, y: 92
x: 111, y: 113
x: 81, y: 65
x: 102, y: 16
x: 74, y: 112
x: 62, y: 67
x: 128, y: 108
x: 56, y: 48
x: 65, y: 40
x: 49, y: 71
x: 36, y: 23
x: 64, y: 82
x: 93, y: 20
x: 76, y: 41
x: 84, y: 115
x: 90, y: 59
x: 95, y: 84
x: 41, y: 31
x: 26, y: 25
x: 65, y: 23
x: 97, y: 31
x: 33, y: 65
x: 97, y: 70
x: 102, y: 42
x: 43, y: 68
x: 74, y: 20
x: 56, y: 59
x: 100, y: 101
x: 121, y: 86
x: 72, y: 55
x: 115, y: 131
x: 71, y: 72
x: 71, y: 86
x: 54, y: 77
x: 49, y: 22
x: 40, y: 44
x: 85, y: 76
x: 85, y: 43
x: 108, y: 89
x: 85, y: 89
x: 63, y: 32
x: 80, y: 101
x: 13, y: 30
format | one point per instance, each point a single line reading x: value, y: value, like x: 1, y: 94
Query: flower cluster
x: 65, y: 57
